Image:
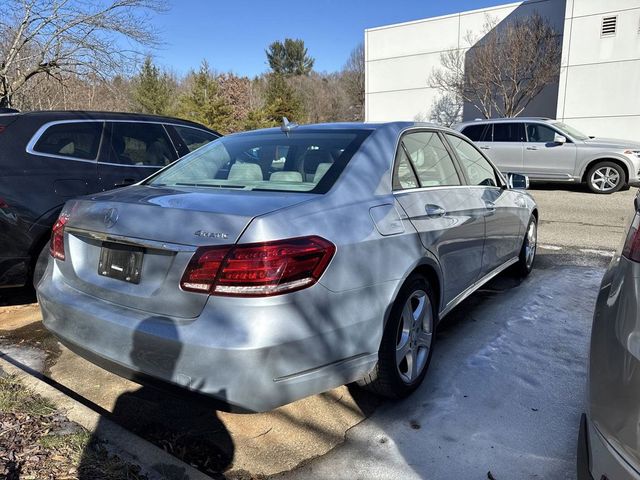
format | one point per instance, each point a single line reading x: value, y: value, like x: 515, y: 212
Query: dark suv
x: 47, y: 158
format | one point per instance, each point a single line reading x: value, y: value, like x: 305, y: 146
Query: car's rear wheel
x: 605, y: 177
x: 529, y: 248
x: 407, y: 342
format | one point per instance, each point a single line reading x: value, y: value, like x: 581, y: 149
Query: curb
x: 154, y: 462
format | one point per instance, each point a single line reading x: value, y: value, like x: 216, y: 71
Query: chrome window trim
x: 36, y: 136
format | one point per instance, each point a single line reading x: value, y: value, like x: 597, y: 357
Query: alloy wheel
x: 414, y: 337
x: 605, y: 179
x: 531, y: 244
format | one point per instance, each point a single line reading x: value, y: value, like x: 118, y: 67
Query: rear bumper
x: 598, y: 459
x: 250, y: 357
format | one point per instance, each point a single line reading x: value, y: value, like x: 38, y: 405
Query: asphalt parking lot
x: 503, y: 395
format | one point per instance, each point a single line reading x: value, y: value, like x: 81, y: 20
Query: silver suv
x: 549, y: 150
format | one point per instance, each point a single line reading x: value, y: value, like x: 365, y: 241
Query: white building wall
x: 600, y: 76
x: 400, y: 58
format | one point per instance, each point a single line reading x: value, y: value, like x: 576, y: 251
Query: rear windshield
x: 308, y: 161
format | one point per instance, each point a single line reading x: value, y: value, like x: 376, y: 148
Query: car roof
x: 53, y: 115
x: 482, y: 121
x: 367, y: 126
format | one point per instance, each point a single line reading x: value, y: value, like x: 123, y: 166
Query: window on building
x: 609, y: 25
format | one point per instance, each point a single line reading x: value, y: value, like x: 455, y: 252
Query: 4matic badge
x: 202, y: 233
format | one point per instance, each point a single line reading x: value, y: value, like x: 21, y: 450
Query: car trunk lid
x: 132, y: 246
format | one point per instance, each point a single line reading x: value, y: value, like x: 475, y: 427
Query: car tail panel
x: 133, y: 252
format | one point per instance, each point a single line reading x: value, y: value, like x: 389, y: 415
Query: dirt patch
x: 17, y: 316
x: 37, y: 441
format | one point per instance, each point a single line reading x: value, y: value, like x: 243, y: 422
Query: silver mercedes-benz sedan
x: 609, y: 441
x: 275, y: 264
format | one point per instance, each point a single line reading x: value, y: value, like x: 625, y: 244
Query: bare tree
x: 79, y: 37
x: 353, y: 74
x: 505, y: 70
x: 446, y: 110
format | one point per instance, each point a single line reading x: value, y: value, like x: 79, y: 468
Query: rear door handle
x: 434, y: 210
x: 532, y: 148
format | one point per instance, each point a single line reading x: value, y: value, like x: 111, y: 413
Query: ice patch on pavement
x: 29, y: 356
x: 504, y: 392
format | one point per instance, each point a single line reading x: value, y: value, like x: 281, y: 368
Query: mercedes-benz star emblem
x: 110, y: 217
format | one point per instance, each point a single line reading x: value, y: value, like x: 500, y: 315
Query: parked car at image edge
x: 551, y: 151
x: 609, y: 440
x: 275, y: 264
x: 47, y: 158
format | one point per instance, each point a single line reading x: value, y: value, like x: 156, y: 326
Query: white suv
x: 549, y: 150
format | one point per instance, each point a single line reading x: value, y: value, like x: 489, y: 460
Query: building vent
x: 609, y: 26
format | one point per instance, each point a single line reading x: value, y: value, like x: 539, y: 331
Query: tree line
x: 62, y: 54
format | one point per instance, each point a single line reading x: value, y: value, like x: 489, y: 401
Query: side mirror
x: 515, y: 181
x: 559, y: 139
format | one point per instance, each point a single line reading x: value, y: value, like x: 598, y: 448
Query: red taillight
x: 2, y: 128
x: 258, y: 269
x: 56, y: 246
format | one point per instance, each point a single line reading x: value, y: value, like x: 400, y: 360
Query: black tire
x: 386, y: 379
x: 601, y: 176
x: 41, y: 265
x: 525, y: 264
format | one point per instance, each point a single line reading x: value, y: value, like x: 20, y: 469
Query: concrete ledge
x: 154, y: 462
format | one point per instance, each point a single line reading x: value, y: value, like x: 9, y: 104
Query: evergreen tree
x: 152, y: 90
x: 202, y: 102
x: 289, y: 58
x: 281, y: 100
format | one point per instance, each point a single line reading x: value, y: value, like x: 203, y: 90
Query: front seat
x: 247, y: 172
x: 118, y: 146
x: 312, y: 159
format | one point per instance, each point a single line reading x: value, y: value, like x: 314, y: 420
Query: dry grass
x: 37, y: 441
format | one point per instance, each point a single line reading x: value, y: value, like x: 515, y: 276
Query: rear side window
x: 404, y: 177
x: 139, y: 144
x: 194, y: 138
x: 79, y: 140
x: 430, y: 159
x: 478, y: 133
x: 508, y: 132
x: 478, y: 170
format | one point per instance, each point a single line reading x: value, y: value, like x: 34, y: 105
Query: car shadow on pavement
x: 187, y: 428
x: 17, y: 296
